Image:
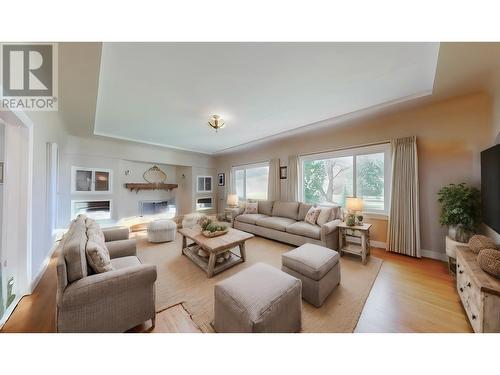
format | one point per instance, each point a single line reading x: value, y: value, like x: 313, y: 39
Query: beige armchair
x: 113, y: 301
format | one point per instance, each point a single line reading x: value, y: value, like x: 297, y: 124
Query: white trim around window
x: 384, y: 148
x: 92, y: 171
x: 205, y: 178
x: 244, y: 168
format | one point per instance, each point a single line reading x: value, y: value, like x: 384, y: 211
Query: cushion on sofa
x: 265, y: 207
x: 73, y: 249
x: 289, y: 210
x: 251, y: 208
x: 125, y: 262
x: 249, y: 218
x: 97, y: 253
x: 303, y: 209
x: 312, y: 215
x: 302, y: 228
x: 324, y: 215
x: 273, y: 222
x: 311, y: 260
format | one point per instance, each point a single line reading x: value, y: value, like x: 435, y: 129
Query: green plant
x: 460, y: 205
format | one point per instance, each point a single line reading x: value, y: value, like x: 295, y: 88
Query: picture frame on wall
x: 283, y: 172
x: 221, y: 177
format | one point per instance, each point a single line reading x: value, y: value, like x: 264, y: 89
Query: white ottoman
x: 317, y: 267
x: 260, y: 298
x: 161, y: 230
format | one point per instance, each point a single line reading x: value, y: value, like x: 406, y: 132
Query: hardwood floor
x: 409, y: 295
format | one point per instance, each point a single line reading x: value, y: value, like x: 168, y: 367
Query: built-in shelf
x: 148, y: 186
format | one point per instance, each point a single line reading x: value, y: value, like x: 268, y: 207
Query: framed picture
x: 283, y: 172
x: 222, y: 179
x: 1, y: 172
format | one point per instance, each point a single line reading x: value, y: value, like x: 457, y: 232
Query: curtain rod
x: 346, y: 148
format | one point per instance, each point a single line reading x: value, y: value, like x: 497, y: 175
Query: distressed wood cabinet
x: 479, y: 292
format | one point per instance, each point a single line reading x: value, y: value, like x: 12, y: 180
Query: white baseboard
x: 425, y: 253
x: 434, y: 255
x: 42, y: 269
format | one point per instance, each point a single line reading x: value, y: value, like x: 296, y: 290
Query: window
x: 204, y: 203
x: 204, y: 184
x: 250, y: 181
x: 91, y: 180
x: 362, y: 172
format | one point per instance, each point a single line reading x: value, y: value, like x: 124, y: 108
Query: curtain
x: 274, y: 184
x: 404, y: 226
x: 293, y: 175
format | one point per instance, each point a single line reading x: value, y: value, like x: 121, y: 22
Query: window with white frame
x: 250, y: 181
x: 363, y: 172
x: 91, y: 180
x: 204, y: 184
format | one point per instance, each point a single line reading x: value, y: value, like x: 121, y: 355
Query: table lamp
x: 232, y: 200
x: 354, y: 205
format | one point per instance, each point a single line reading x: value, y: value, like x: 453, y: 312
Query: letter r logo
x: 27, y: 70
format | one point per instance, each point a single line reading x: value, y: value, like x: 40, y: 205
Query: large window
x: 250, y: 181
x: 361, y: 172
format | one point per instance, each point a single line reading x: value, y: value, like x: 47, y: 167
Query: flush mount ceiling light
x: 216, y: 122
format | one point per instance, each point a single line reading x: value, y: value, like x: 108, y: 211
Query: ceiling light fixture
x: 216, y: 122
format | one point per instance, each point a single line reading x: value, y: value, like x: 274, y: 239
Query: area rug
x: 181, y: 281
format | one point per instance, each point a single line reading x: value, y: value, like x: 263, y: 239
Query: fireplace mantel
x: 148, y: 186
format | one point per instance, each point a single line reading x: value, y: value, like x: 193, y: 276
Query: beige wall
x: 450, y: 135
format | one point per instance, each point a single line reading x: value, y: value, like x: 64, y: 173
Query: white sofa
x: 284, y: 221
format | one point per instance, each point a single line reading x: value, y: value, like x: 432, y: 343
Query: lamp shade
x: 232, y: 200
x: 354, y: 204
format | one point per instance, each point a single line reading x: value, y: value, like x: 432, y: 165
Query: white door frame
x: 16, y: 124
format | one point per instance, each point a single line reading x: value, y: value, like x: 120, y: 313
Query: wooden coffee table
x: 214, y: 246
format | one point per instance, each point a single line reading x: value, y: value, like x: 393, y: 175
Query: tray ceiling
x: 164, y: 93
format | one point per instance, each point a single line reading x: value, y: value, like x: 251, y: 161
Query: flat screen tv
x: 490, y: 187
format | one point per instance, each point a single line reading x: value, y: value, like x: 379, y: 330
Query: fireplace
x: 159, y: 207
x: 96, y: 209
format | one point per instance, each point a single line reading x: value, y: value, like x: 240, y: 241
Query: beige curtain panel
x: 293, y: 178
x: 404, y: 225
x: 274, y: 185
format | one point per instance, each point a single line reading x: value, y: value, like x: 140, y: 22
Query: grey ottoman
x: 260, y: 298
x: 317, y: 267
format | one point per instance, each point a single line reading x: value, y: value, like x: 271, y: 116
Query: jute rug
x: 181, y: 281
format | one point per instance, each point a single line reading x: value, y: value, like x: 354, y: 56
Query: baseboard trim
x: 42, y: 269
x: 434, y: 255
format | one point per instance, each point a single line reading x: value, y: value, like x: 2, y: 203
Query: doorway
x: 15, y: 213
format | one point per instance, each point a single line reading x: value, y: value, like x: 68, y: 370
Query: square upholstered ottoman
x: 317, y: 267
x: 260, y: 298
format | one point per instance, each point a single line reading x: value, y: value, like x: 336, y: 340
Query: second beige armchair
x: 113, y: 301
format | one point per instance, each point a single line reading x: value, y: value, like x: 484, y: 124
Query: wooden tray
x: 218, y: 233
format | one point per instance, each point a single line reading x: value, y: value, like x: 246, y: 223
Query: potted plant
x: 460, y: 210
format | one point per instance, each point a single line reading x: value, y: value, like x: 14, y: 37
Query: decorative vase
x: 351, y: 220
x: 458, y: 233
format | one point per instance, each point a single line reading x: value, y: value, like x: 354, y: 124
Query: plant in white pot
x: 460, y: 210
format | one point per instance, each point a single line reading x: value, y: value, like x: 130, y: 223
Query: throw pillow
x: 489, y: 261
x: 479, y: 242
x: 312, y: 215
x: 251, y: 208
x: 97, y: 254
x: 324, y: 216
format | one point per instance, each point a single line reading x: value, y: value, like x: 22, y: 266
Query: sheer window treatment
x: 293, y: 178
x: 274, y: 184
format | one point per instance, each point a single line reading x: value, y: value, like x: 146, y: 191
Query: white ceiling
x: 164, y: 93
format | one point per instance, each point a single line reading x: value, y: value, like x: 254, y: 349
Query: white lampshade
x: 354, y: 204
x: 232, y: 200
